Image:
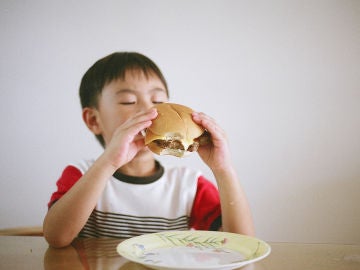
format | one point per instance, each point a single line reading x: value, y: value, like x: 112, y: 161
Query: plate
x: 193, y: 250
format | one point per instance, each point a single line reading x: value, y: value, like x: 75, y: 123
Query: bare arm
x: 236, y: 214
x: 68, y: 215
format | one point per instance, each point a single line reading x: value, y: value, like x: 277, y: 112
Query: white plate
x: 193, y: 250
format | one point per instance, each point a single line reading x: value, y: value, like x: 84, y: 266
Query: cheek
x: 112, y: 120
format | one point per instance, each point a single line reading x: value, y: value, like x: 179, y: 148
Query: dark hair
x: 109, y: 68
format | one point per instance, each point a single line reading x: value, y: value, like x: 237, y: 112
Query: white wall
x: 282, y: 78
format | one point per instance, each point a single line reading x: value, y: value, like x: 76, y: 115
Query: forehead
x: 139, y: 75
x: 134, y: 81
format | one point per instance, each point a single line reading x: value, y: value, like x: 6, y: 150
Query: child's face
x: 121, y: 99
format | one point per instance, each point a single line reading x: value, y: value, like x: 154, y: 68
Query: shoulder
x: 73, y: 172
x: 181, y: 173
x: 83, y: 165
x: 180, y: 179
x: 189, y: 176
x: 204, y: 183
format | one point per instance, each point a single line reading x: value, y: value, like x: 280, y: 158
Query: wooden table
x: 32, y: 252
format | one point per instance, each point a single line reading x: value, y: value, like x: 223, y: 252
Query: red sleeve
x: 206, y: 211
x: 68, y: 178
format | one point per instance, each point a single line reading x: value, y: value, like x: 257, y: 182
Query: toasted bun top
x: 174, y: 122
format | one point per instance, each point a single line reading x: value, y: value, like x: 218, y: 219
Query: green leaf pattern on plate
x: 193, y: 241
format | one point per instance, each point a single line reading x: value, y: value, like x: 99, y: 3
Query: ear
x: 91, y: 119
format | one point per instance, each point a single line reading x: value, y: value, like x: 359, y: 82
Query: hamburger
x: 173, y: 132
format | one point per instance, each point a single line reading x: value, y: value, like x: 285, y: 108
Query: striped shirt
x: 173, y: 199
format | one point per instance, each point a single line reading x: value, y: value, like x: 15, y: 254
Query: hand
x: 127, y: 140
x: 215, y: 154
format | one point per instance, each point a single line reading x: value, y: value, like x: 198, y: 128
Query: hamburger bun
x: 173, y: 132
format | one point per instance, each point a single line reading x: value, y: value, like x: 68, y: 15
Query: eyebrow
x: 124, y: 91
x: 131, y: 91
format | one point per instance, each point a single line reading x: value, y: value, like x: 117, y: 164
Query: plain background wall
x: 281, y: 77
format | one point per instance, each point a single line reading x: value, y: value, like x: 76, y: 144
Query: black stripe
x: 115, y: 216
x: 120, y: 233
x: 129, y: 227
x: 141, y: 180
x: 138, y: 221
x: 103, y: 224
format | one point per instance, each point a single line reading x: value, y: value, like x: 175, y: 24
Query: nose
x: 145, y: 105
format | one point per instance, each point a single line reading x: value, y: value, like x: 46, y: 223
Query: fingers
x: 144, y: 116
x: 208, y: 123
x: 203, y: 119
x: 145, y: 120
x: 141, y: 120
x: 131, y: 129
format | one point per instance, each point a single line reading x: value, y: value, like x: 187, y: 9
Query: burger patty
x: 194, y: 147
x: 172, y: 144
x: 176, y: 144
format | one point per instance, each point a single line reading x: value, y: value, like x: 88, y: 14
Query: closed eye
x: 127, y: 103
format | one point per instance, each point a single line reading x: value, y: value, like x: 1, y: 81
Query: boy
x: 126, y: 192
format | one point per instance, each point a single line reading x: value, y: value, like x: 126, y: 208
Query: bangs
x: 117, y: 68
x: 113, y: 67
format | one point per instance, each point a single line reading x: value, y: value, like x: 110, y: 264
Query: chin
x: 144, y: 153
